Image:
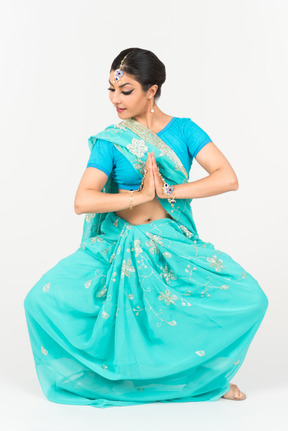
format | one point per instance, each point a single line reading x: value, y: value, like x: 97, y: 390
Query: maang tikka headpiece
x: 119, y: 72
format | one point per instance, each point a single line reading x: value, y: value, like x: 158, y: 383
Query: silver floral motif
x: 119, y: 126
x: 137, y: 147
x: 89, y: 216
x: 155, y: 238
x: 105, y: 315
x: 112, y: 257
x: 200, y: 352
x: 172, y: 323
x: 224, y: 286
x: 105, y: 251
x: 97, y: 238
x: 127, y: 268
x: 167, y: 297
x: 214, y: 262
x: 167, y: 254
x: 138, y: 250
x: 145, y: 133
x: 168, y: 275
x: 44, y: 351
x: 161, y: 320
x: 46, y: 287
x: 186, y: 231
x: 87, y: 284
x: 102, y: 293
x: 140, y: 165
x: 153, y: 247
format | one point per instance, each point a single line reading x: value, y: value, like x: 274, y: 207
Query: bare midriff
x: 143, y: 213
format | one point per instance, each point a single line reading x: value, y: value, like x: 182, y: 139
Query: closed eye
x: 124, y: 92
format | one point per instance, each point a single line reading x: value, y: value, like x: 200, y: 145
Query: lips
x: 120, y: 109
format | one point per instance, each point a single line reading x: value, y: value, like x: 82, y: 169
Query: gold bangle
x: 130, y: 199
x: 142, y: 182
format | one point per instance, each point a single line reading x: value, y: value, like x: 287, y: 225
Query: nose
x: 116, y: 97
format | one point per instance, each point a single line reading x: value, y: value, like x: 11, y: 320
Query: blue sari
x: 142, y: 313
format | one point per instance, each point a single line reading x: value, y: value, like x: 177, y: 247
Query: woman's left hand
x: 157, y: 179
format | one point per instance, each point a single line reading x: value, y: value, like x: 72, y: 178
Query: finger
x: 154, y: 167
x: 150, y: 165
x: 154, y: 162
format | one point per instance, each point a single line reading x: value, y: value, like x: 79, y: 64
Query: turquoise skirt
x: 139, y: 314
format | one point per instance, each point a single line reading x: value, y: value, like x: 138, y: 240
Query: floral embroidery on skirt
x: 142, y: 313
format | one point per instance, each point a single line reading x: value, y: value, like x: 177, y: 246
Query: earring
x: 151, y: 110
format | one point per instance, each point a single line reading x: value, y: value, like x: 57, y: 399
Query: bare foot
x: 234, y: 393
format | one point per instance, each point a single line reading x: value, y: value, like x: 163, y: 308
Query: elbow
x: 77, y: 208
x: 234, y: 184
x: 78, y: 203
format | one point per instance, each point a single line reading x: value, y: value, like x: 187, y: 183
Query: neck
x: 151, y: 120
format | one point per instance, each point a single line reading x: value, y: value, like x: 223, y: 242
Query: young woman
x: 144, y: 310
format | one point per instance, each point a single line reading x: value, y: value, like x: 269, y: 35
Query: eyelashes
x: 124, y: 92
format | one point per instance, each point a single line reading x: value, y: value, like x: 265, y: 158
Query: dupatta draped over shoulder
x: 135, y: 141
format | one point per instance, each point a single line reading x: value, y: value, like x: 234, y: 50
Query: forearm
x: 93, y: 201
x: 215, y: 183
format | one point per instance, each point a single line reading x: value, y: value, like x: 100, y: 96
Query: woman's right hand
x: 148, y: 189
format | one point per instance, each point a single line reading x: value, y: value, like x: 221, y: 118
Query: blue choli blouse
x: 184, y: 136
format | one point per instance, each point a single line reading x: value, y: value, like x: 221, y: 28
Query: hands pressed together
x: 153, y: 182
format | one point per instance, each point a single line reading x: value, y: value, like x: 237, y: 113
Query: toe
x: 238, y: 393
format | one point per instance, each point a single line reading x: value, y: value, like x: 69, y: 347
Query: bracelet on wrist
x: 168, y: 190
x: 130, y: 199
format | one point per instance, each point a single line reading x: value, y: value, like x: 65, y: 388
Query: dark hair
x: 145, y: 67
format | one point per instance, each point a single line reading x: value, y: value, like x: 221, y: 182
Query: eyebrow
x: 120, y: 85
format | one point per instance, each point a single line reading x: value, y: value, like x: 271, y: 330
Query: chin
x: 123, y: 114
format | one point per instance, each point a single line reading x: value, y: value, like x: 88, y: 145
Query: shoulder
x: 192, y: 130
x: 188, y: 124
x: 103, y: 137
x: 185, y: 125
x: 98, y: 145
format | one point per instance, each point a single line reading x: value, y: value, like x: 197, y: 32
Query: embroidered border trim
x: 150, y: 136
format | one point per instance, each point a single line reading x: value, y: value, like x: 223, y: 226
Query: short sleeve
x: 101, y: 156
x: 196, y: 138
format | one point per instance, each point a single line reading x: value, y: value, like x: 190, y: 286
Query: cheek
x: 137, y: 100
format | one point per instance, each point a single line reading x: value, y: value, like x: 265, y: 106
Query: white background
x: 226, y: 64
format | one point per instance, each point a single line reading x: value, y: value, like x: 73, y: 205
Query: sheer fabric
x: 142, y: 313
